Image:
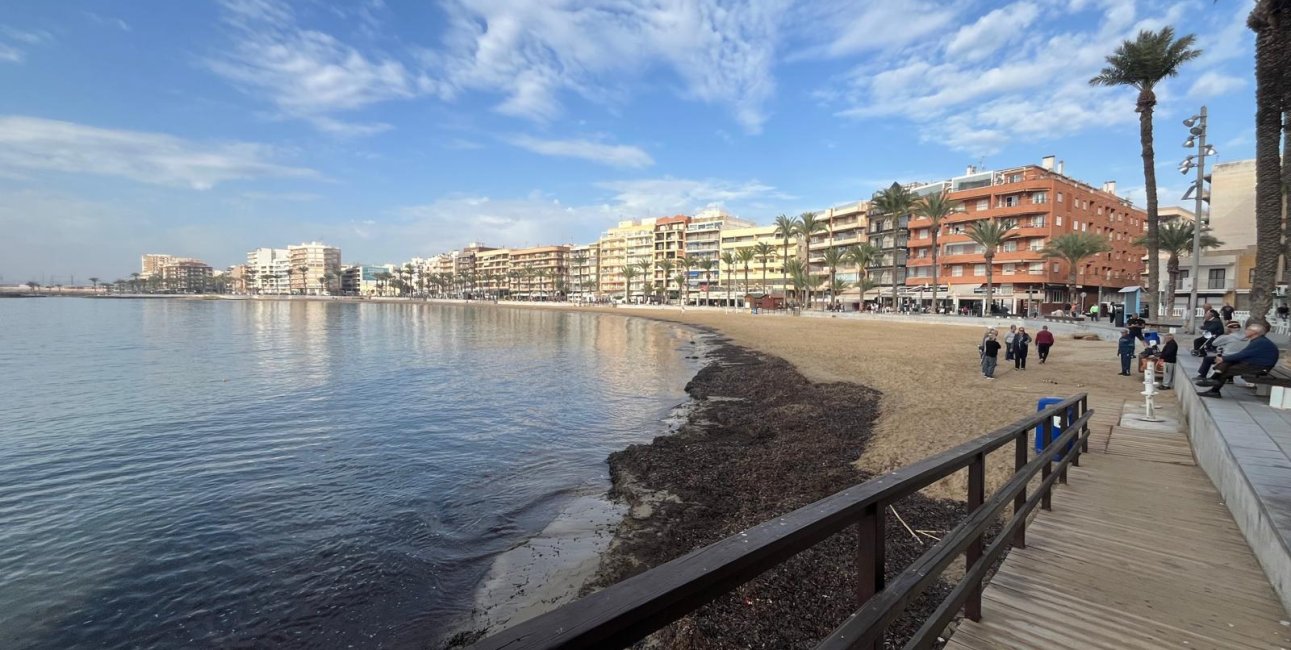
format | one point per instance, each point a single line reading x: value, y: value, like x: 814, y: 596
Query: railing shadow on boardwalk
x: 627, y: 612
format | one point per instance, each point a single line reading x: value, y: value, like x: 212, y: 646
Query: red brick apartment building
x: 1042, y: 203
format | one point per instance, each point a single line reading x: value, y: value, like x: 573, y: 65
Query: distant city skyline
x: 400, y: 129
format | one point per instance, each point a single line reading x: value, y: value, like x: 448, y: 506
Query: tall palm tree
x: 990, y: 235
x: 729, y: 260
x: 303, y: 272
x: 833, y: 258
x: 798, y: 276
x: 786, y: 228
x: 863, y: 256
x: 666, y: 266
x: 894, y: 202
x: 1175, y: 238
x: 135, y: 280
x: 1271, y: 22
x: 935, y: 207
x: 1143, y: 63
x: 646, y: 266
x: 745, y: 257
x: 765, y: 252
x: 94, y: 282
x: 629, y: 274
x: 707, y: 267
x: 1074, y: 248
x: 808, y: 225
x: 684, y: 264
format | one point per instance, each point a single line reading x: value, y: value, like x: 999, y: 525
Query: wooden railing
x: 626, y: 612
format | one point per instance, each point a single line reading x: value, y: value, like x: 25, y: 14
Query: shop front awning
x: 1130, y: 289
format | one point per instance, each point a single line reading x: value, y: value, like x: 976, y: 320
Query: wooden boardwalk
x: 1138, y: 552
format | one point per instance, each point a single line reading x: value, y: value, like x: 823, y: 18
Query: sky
x: 403, y: 128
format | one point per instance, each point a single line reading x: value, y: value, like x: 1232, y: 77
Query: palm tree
x: 798, y: 276
x: 32, y: 285
x: 809, y: 225
x: 863, y: 256
x: 707, y: 267
x: 765, y: 252
x: 1143, y: 63
x: 646, y: 266
x: 1271, y: 22
x: 303, y: 272
x: 990, y: 235
x: 135, y: 281
x: 629, y: 274
x: 729, y: 260
x: 935, y: 207
x: 745, y: 256
x: 894, y: 202
x: 833, y: 258
x: 94, y: 282
x: 666, y: 266
x: 1175, y: 238
x: 786, y: 228
x: 684, y: 264
x: 1074, y: 248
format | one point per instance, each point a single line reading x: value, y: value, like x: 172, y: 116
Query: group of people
x: 1016, y: 346
x: 1231, y: 351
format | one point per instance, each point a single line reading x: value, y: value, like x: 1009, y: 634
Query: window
x: 1060, y: 197
x: 1055, y: 268
x: 1215, y: 278
x: 1075, y: 225
x: 1057, y: 219
x: 1015, y: 178
x: 1010, y: 246
x: 1008, y: 201
x: 979, y: 269
x: 1039, y: 197
x: 1008, y: 269
x: 983, y: 204
x: 957, y: 270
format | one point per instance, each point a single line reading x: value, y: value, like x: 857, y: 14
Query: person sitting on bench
x: 1231, y: 343
x: 1259, y: 355
x: 1212, y: 326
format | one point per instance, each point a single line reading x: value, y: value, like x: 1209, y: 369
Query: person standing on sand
x: 1125, y: 350
x: 1169, y: 356
x: 990, y: 352
x: 1020, y: 342
x: 1044, y: 341
x: 1008, y: 342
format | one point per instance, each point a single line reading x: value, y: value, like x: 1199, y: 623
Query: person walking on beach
x: 1125, y: 350
x: 1044, y: 341
x: 990, y: 352
x: 1169, y: 356
x: 1020, y: 342
x: 1008, y: 342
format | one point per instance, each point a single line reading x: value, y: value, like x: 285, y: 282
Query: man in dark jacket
x: 1212, y: 326
x: 1125, y: 350
x: 1169, y: 356
x: 1260, y: 354
x: 1136, y: 325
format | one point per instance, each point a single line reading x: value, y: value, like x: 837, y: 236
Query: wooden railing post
x: 976, y: 496
x: 1046, y: 469
x: 1084, y: 408
x: 870, y: 555
x: 1066, y: 422
x: 1020, y: 501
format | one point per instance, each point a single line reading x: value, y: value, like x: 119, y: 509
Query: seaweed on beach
x: 761, y: 441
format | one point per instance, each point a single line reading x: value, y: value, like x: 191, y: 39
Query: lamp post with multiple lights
x: 1196, y: 137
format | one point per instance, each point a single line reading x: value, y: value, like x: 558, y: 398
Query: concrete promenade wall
x: 1247, y: 466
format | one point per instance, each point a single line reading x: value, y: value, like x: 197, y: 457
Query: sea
x: 277, y: 473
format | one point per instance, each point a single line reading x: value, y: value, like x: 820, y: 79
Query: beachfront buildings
x: 628, y: 243
x: 315, y: 268
x: 267, y: 271
x: 185, y: 275
x: 845, y: 226
x: 669, y: 251
x: 1041, y: 202
x: 584, y: 271
x: 704, y: 244
x: 760, y: 275
x: 494, y: 269
x: 541, y: 272
x: 150, y: 264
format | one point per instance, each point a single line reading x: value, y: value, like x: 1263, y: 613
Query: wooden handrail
x: 628, y: 611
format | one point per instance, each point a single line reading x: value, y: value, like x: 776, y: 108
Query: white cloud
x: 14, y: 43
x: 656, y: 196
x: 533, y: 53
x: 307, y: 74
x: 849, y: 28
x: 1214, y: 84
x: 36, y: 144
x: 606, y: 154
x: 992, y: 31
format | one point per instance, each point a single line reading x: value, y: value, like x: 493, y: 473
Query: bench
x: 1274, y: 383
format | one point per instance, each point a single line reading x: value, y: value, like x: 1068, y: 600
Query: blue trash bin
x: 1042, y: 404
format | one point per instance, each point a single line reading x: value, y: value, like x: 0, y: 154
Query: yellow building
x: 627, y: 243
x: 315, y: 268
x: 733, y: 282
x: 542, y: 272
x: 845, y: 226
x: 493, y: 268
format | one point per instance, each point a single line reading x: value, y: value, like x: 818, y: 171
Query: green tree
x: 629, y: 274
x: 895, y: 203
x: 707, y: 267
x: 667, y: 267
x: 809, y: 224
x: 1175, y: 239
x: 646, y: 266
x: 1074, y: 248
x: 94, y: 283
x: 864, y: 255
x: 786, y: 228
x: 728, y: 261
x: 765, y: 252
x: 833, y: 258
x: 745, y: 257
x: 990, y: 235
x: 1142, y: 63
x: 135, y: 280
x: 685, y: 264
x: 935, y: 207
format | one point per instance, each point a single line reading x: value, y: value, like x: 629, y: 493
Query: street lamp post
x: 1196, y: 135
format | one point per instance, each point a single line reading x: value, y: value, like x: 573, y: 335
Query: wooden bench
x: 1274, y: 383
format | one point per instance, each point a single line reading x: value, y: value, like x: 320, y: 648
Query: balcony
x: 1208, y: 284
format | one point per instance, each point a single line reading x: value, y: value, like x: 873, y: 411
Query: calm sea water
x: 220, y: 473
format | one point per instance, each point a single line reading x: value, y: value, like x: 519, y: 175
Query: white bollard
x: 1149, y: 391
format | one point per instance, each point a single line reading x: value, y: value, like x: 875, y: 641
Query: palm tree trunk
x: 1270, y: 46
x: 986, y: 306
x: 1147, y: 99
x: 1172, y: 282
x: 935, y: 268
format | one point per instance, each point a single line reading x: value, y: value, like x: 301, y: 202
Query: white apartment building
x: 315, y: 268
x: 704, y: 242
x: 267, y: 271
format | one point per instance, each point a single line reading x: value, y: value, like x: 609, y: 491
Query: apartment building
x: 150, y: 264
x: 363, y: 279
x: 315, y: 268
x: 267, y: 271
x: 764, y: 275
x: 670, y: 246
x: 542, y: 271
x: 584, y: 269
x: 185, y: 275
x: 704, y: 243
x: 493, y: 267
x: 625, y: 244
x: 1041, y: 202
x: 465, y: 265
x: 845, y: 226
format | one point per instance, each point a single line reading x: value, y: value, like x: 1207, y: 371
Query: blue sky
x: 403, y: 128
